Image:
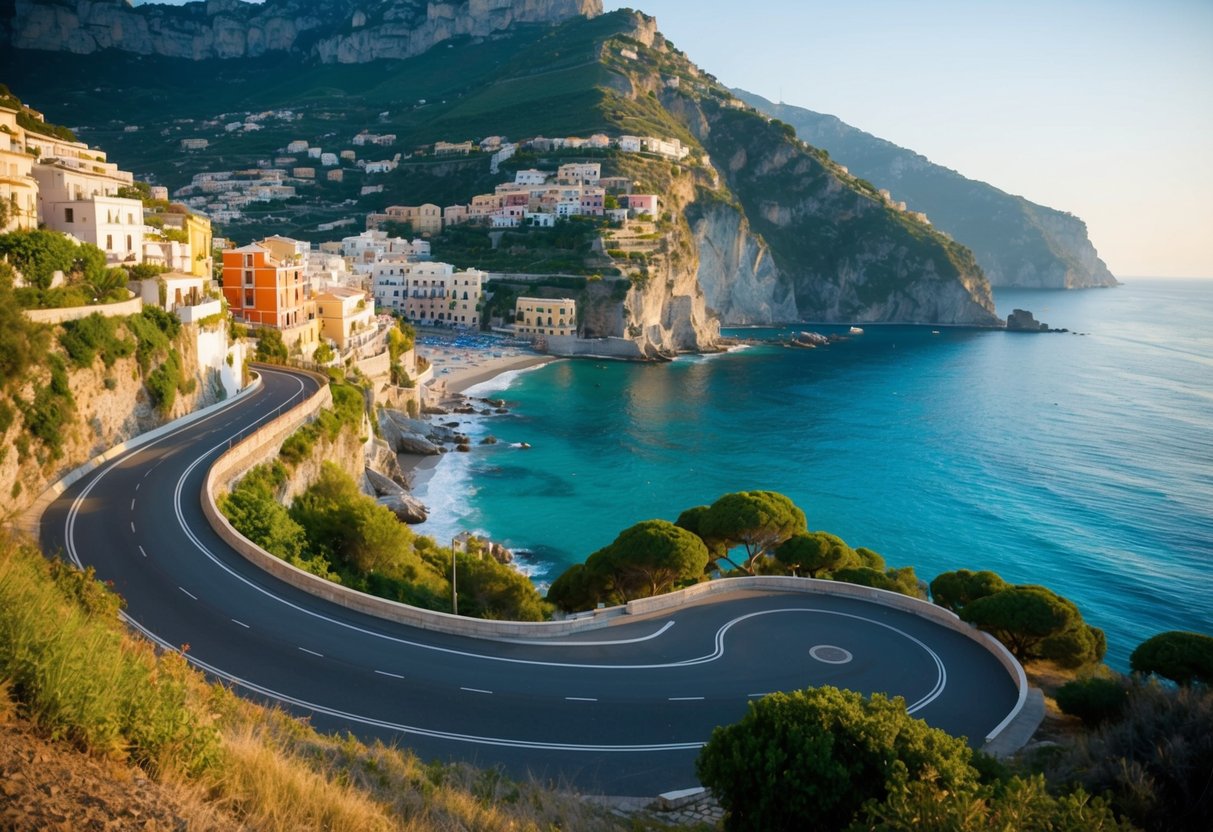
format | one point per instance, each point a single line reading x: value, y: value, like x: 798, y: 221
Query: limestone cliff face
x: 111, y: 405
x: 740, y: 281
x: 335, y: 31
x: 847, y: 255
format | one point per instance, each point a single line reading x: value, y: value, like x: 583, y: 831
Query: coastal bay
x: 1081, y: 462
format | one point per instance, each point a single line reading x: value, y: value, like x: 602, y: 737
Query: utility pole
x: 454, y: 577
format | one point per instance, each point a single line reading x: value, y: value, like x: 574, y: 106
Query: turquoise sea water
x: 1084, y: 463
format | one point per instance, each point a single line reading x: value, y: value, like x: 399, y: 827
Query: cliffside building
x: 430, y: 294
x: 18, y: 188
x: 344, y: 314
x: 538, y: 317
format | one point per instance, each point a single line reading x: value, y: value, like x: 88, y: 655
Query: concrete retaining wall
x: 74, y: 313
x: 264, y: 443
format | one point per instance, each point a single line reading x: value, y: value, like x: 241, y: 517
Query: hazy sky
x: 1103, y: 108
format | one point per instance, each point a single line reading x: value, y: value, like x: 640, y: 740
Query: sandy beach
x: 462, y: 377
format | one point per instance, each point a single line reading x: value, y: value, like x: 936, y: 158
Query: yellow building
x: 344, y: 315
x: 18, y: 188
x: 545, y: 316
x: 199, y: 236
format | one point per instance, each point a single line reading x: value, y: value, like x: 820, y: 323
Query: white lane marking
x: 142, y: 552
x: 686, y: 698
x: 407, y: 729
x: 477, y: 690
x: 550, y: 643
x: 187, y: 592
x: 715, y: 655
x: 137, y: 485
x: 132, y: 505
x: 241, y: 623
x: 385, y: 673
x: 132, y: 527
x: 357, y: 718
x: 313, y: 652
x: 756, y: 695
x: 580, y: 699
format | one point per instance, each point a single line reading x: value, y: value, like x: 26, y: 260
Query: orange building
x: 264, y: 286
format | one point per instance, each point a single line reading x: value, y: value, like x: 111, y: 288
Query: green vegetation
x: 1032, y: 621
x: 563, y: 249
x: 52, y: 407
x: 757, y: 521
x: 83, y: 340
x: 852, y: 762
x: 270, y: 346
x: 39, y: 254
x: 1184, y: 658
x: 822, y: 753
x: 334, y: 531
x: 64, y: 656
x: 1094, y: 700
x: 1036, y: 623
x: 1153, y: 759
x: 647, y: 559
x: 69, y: 666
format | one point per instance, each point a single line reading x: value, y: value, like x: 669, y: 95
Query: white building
x: 530, y: 176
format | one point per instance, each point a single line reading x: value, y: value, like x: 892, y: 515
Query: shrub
x: 84, y: 339
x: 139, y: 707
x: 821, y: 754
x: 1154, y: 761
x: 1093, y: 700
x: 1184, y: 658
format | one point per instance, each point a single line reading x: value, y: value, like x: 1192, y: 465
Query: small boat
x: 856, y: 331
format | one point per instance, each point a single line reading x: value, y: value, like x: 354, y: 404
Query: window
x: 69, y: 215
x: 109, y: 242
x: 248, y: 299
x: 130, y: 219
x: 129, y: 244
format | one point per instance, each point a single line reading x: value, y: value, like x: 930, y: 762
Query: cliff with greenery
x: 1017, y: 242
x: 760, y: 227
x: 70, y: 391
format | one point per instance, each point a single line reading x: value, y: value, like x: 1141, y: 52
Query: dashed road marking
x: 580, y: 699
x: 142, y: 552
x: 132, y: 504
x: 241, y: 623
x: 476, y: 690
x: 385, y: 673
x: 187, y: 592
x: 686, y: 698
x: 132, y: 527
x: 757, y: 695
x: 313, y: 652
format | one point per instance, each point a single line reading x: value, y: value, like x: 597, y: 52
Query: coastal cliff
x: 107, y: 406
x: 334, y: 31
x: 1018, y: 243
x: 737, y: 273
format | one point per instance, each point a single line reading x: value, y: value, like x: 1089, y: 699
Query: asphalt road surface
x: 621, y: 710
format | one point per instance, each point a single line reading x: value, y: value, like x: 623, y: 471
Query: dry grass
x: 67, y: 663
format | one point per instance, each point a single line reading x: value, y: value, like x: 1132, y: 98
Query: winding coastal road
x: 621, y: 710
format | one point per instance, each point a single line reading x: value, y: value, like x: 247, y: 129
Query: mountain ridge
x: 736, y: 211
x: 332, y: 31
x: 1019, y: 243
